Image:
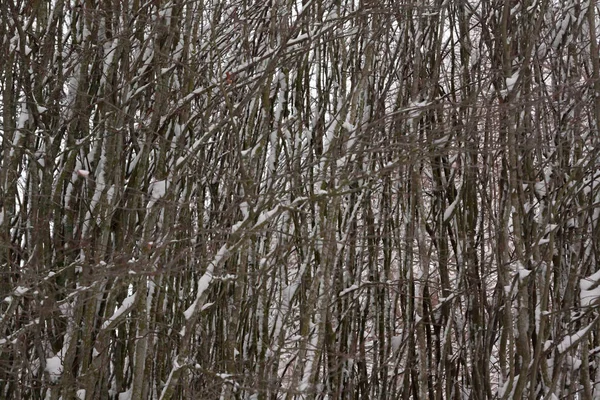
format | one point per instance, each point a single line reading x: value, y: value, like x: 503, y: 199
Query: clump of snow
x: 20, y: 291
x: 522, y: 272
x: 125, y: 395
x: 562, y: 30
x: 244, y: 209
x: 54, y: 367
x: 236, y: 226
x: 157, y: 191
x: 348, y: 126
x: 590, y: 289
x: 126, y: 305
x: 83, y: 173
x: 66, y: 309
x: 510, y: 82
x: 572, y: 340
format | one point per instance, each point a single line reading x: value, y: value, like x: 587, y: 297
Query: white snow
x: 570, y: 341
x: 23, y: 117
x: 265, y: 216
x: 510, y: 82
x: 590, y: 289
x: 415, y: 109
x: 550, y: 228
x: 244, y: 209
x: 523, y: 273
x: 125, y: 395
x: 450, y: 210
x: 347, y: 290
x: 502, y: 389
x: 176, y: 367
x: 562, y: 29
x: 540, y: 188
x: 396, y: 342
x: 441, y: 141
x: 328, y: 137
x: 54, y: 367
x: 205, y: 280
x: 588, y: 282
x: 125, y: 306
x: 348, y: 126
x: 20, y: 291
x: 236, y: 226
x: 157, y: 191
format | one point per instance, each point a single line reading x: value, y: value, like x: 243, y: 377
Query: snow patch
x: 125, y: 395
x: 510, y: 82
x: 20, y: 291
x: 157, y: 191
x: 590, y: 289
x: 244, y: 209
x: 54, y: 367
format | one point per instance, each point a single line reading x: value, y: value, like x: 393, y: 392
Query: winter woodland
x: 299, y: 199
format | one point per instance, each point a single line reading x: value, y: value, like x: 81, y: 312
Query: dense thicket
x: 294, y: 199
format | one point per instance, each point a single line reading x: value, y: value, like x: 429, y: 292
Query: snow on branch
x: 570, y: 341
x: 126, y: 306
